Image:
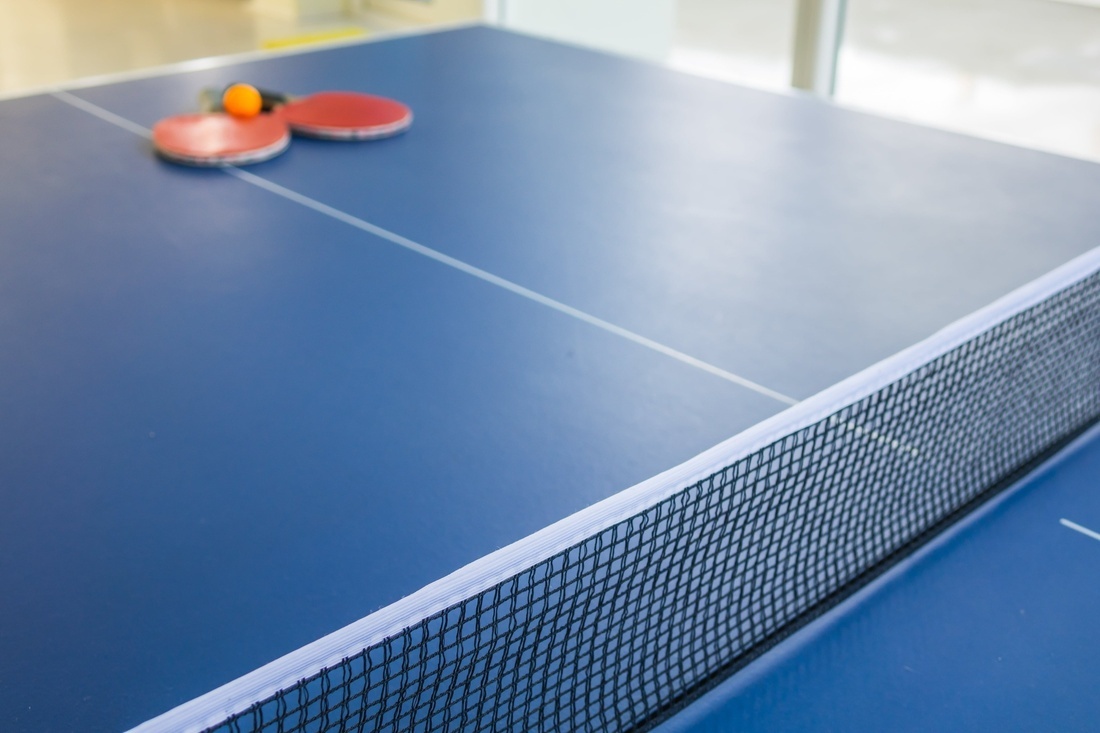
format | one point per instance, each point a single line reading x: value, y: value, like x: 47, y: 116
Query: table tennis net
x: 621, y: 628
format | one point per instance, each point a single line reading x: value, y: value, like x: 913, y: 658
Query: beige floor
x: 45, y: 42
x: 1024, y: 71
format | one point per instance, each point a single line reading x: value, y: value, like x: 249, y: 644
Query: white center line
x: 501, y: 282
x: 457, y: 264
x: 1078, y: 528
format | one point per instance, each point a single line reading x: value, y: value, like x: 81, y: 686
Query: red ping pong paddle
x: 216, y: 139
x: 333, y: 115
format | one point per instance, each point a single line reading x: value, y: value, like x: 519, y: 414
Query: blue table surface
x: 234, y: 424
x: 993, y: 627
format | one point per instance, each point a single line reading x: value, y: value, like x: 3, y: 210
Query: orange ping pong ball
x: 242, y: 100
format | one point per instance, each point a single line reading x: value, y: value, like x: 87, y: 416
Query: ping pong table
x: 244, y: 408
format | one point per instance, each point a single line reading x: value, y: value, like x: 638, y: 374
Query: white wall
x: 297, y: 8
x: 642, y: 28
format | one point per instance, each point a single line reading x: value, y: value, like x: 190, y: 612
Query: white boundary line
x: 218, y: 705
x: 933, y: 126
x: 1078, y: 528
x: 215, y: 706
x: 248, y: 56
x: 103, y: 114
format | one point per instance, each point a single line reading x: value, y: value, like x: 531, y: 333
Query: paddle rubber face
x: 345, y: 116
x: 216, y: 139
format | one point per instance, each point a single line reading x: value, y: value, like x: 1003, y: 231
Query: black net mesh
x: 620, y: 630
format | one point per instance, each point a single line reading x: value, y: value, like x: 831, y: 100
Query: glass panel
x: 1023, y: 71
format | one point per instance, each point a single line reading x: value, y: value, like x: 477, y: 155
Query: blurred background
x: 1020, y: 71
